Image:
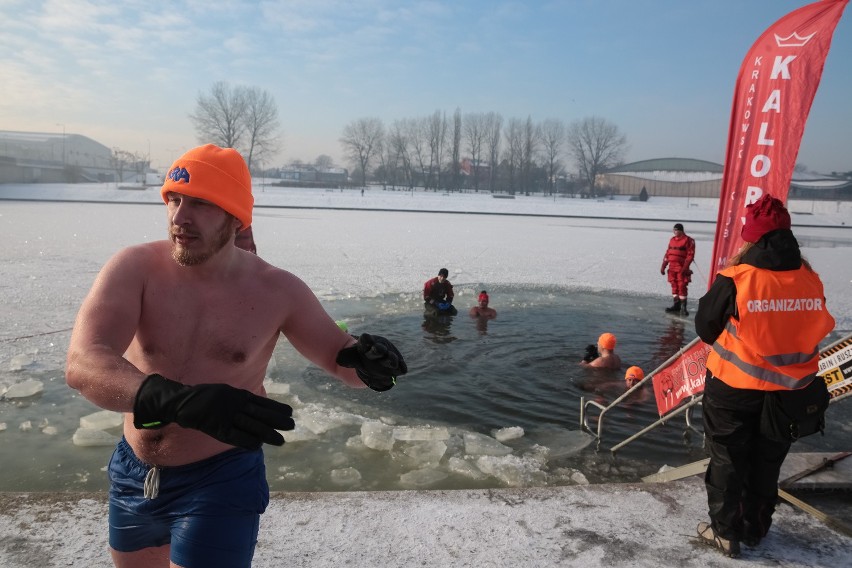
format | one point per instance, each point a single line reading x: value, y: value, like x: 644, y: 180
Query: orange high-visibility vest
x: 775, y: 343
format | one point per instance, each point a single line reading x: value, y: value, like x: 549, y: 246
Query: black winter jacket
x: 776, y: 250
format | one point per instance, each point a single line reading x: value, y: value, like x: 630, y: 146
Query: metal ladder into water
x: 839, y: 372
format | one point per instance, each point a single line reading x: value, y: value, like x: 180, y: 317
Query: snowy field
x: 562, y: 242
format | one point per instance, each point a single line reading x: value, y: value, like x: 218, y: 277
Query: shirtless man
x: 481, y: 310
x: 177, y: 334
x: 608, y: 359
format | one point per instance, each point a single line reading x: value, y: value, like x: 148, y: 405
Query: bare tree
x: 596, y: 145
x: 437, y: 141
x: 362, y: 139
x: 456, y: 159
x: 261, y: 125
x: 474, y: 126
x: 324, y: 162
x: 418, y: 138
x: 513, y: 154
x: 122, y: 161
x: 552, y: 142
x: 219, y: 116
x: 398, y: 143
x: 529, y: 148
x: 494, y: 125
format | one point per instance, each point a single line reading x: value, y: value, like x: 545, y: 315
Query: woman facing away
x: 764, y: 316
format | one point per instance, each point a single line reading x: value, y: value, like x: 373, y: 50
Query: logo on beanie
x: 178, y: 174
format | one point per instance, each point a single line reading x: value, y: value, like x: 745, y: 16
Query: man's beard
x: 185, y: 257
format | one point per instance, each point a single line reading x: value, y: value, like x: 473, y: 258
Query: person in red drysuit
x: 678, y: 257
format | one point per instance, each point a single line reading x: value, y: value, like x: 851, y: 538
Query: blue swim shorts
x: 209, y: 511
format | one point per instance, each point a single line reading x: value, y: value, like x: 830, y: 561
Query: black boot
x: 683, y: 310
x: 675, y: 307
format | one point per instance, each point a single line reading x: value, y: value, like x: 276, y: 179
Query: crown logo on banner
x: 793, y: 40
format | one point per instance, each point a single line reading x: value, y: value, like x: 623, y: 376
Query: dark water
x: 468, y: 376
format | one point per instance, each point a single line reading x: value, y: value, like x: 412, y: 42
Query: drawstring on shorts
x: 152, y: 483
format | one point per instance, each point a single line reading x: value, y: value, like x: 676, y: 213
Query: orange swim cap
x: 634, y: 374
x: 218, y: 175
x: 607, y: 341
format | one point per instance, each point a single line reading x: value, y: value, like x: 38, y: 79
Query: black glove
x: 376, y: 361
x: 591, y: 353
x: 231, y: 415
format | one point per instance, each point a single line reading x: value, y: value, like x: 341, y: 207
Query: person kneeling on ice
x: 177, y: 334
x: 608, y: 359
x: 481, y: 310
x: 438, y: 294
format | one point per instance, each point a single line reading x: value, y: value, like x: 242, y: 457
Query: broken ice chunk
x: 411, y: 433
x: 86, y: 437
x: 476, y: 444
x: 426, y: 453
x: 279, y: 389
x: 102, y: 420
x: 24, y: 389
x: 377, y: 436
x: 512, y: 470
x: 421, y: 478
x: 345, y: 476
x: 510, y: 433
x: 465, y: 468
x: 22, y: 360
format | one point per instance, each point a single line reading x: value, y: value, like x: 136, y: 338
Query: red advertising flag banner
x: 772, y: 98
x: 682, y: 379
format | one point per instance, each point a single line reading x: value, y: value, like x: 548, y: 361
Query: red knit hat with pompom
x: 764, y: 215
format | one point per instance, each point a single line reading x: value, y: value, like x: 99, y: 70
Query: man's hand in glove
x: 231, y: 415
x: 663, y: 268
x: 376, y: 361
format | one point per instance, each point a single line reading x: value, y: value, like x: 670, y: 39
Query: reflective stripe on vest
x: 763, y: 373
x: 774, y: 343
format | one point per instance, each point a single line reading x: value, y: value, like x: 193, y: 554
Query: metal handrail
x: 683, y: 409
x: 584, y: 416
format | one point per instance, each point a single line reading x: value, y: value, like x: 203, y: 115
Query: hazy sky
x: 127, y: 73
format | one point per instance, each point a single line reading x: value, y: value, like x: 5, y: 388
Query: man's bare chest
x: 223, y: 326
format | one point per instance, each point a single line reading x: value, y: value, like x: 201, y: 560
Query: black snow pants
x: 742, y: 478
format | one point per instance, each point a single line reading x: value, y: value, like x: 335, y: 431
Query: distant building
x: 38, y: 157
x: 312, y: 176
x: 480, y: 167
x: 684, y: 177
x: 807, y: 185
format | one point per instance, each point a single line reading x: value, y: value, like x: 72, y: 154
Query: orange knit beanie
x: 218, y: 175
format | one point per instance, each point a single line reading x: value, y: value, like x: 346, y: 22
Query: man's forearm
x: 103, y: 378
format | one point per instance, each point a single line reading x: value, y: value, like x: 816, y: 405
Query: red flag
x: 681, y: 379
x: 772, y: 98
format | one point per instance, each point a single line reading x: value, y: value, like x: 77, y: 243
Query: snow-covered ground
x: 562, y: 242
x: 52, y: 251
